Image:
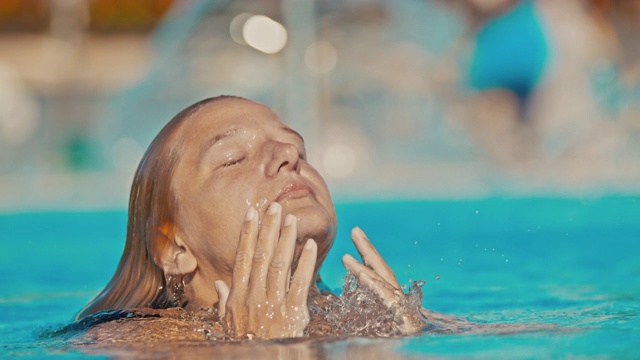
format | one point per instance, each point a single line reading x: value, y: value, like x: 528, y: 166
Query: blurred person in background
x: 537, y: 70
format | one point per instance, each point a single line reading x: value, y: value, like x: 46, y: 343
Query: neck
x: 200, y: 291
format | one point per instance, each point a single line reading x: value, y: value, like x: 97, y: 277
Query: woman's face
x: 234, y: 153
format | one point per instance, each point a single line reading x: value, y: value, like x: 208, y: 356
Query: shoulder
x: 147, y: 325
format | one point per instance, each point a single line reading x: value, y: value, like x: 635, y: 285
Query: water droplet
x: 416, y: 243
x: 507, y: 260
x: 408, y: 265
x: 476, y: 211
x: 438, y: 277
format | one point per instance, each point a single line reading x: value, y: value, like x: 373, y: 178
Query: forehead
x: 224, y: 114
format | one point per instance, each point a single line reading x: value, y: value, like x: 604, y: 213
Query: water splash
x: 361, y: 312
x: 358, y: 311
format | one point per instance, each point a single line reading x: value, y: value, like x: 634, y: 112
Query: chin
x: 314, y: 221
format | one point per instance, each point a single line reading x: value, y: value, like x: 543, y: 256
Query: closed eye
x: 233, y: 162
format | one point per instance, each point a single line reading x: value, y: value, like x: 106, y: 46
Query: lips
x: 294, y: 190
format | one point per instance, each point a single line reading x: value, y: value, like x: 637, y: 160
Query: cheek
x: 212, y: 216
x: 214, y: 233
x: 242, y: 189
x: 321, y: 190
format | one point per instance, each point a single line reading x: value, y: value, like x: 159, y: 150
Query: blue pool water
x: 570, y: 262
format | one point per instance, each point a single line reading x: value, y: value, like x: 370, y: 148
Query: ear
x: 172, y: 254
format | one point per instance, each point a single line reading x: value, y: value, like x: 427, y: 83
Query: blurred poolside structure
x: 396, y: 99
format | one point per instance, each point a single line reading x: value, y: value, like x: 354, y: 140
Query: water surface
x: 568, y: 262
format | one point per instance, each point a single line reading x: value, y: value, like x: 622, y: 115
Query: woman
x: 226, y: 212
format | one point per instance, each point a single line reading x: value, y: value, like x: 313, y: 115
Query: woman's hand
x: 377, y: 276
x: 261, y: 302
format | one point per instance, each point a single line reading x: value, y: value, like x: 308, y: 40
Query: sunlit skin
x: 254, y: 222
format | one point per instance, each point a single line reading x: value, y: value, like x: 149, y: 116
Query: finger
x: 280, y: 267
x: 267, y: 241
x: 369, y: 278
x: 371, y: 257
x: 244, y: 255
x: 223, y: 294
x: 301, y: 280
x: 355, y: 267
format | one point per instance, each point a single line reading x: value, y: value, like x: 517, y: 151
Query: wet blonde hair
x: 138, y: 280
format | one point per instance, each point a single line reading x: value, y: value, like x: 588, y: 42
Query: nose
x: 284, y: 157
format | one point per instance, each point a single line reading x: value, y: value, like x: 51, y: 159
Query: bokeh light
x: 236, y: 26
x: 264, y: 34
x: 321, y: 57
x: 18, y: 111
x: 339, y: 160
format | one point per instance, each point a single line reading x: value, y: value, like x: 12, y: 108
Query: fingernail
x: 309, y: 244
x: 273, y: 208
x: 251, y: 214
x: 352, y: 260
x: 217, y: 286
x: 289, y: 220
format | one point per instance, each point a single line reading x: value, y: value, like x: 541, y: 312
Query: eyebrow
x: 234, y: 131
x: 219, y: 137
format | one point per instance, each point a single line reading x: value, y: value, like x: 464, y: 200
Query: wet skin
x: 255, y: 219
